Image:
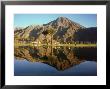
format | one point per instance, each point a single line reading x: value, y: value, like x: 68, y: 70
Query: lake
x: 55, y: 61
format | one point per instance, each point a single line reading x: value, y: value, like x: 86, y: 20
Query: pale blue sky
x: 23, y: 20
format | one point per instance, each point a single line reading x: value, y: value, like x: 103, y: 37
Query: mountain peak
x: 64, y: 22
x: 62, y: 18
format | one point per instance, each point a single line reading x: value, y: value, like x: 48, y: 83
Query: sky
x: 23, y: 20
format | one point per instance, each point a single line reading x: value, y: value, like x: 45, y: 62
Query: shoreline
x: 68, y: 45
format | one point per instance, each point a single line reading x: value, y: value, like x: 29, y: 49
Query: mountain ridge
x: 64, y: 29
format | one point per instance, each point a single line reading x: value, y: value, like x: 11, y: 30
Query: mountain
x: 64, y: 30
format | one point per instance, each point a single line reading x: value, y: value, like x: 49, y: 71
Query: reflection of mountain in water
x: 61, y: 57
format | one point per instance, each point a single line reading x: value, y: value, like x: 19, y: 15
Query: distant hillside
x: 86, y: 35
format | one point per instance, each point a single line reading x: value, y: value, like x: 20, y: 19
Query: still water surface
x: 57, y: 61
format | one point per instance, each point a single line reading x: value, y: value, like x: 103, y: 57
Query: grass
x: 73, y: 45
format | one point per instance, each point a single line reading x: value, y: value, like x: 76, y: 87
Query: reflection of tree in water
x: 61, y: 58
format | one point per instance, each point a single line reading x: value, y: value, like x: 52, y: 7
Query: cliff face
x: 64, y: 30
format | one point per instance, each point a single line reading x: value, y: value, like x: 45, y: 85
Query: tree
x: 51, y: 31
x: 45, y: 33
